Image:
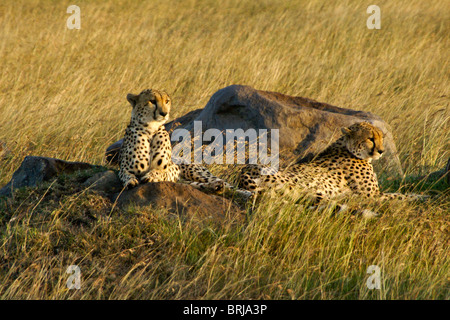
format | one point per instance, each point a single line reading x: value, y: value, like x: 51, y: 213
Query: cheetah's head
x: 364, y: 141
x: 150, y: 107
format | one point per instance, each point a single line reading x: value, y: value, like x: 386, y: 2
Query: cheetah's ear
x: 346, y: 130
x: 132, y: 99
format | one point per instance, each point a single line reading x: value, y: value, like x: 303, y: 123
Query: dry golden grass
x: 62, y: 94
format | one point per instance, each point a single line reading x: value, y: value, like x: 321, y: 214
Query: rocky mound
x: 179, y: 200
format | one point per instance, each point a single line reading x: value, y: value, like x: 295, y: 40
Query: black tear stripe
x: 156, y: 103
x: 373, y: 149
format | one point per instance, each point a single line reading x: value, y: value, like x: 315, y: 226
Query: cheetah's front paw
x: 131, y: 183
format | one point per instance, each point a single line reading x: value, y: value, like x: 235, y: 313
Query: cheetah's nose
x: 163, y: 113
x: 380, y: 151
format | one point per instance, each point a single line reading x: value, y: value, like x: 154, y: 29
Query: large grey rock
x: 306, y: 127
x: 35, y: 170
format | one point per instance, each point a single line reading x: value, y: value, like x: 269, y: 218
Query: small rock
x: 106, y: 181
x: 35, y: 170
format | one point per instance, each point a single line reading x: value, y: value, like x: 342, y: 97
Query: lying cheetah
x: 146, y: 151
x: 343, y: 169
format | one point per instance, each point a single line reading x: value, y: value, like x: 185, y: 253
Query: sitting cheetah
x: 343, y: 169
x: 146, y: 151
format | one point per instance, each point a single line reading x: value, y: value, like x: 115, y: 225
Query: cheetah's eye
x: 167, y: 101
